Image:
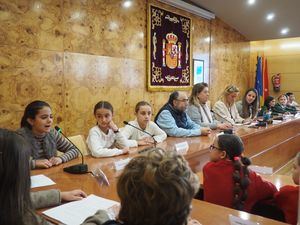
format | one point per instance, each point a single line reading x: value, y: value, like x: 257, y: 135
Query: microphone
x: 78, y: 168
x: 221, y: 116
x: 155, y: 142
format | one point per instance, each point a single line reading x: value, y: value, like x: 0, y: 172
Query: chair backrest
x: 79, y: 141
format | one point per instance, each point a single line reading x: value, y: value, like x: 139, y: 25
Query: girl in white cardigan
x: 143, y: 121
x: 105, y: 139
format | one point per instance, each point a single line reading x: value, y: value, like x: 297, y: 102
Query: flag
x: 259, y: 80
x: 265, y: 80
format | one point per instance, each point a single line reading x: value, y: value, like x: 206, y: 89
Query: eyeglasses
x: 183, y: 100
x: 212, y: 147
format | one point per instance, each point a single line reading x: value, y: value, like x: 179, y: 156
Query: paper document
x: 40, y: 181
x: 261, y: 169
x: 74, y: 213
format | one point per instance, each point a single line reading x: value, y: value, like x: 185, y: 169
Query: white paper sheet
x: 74, y: 213
x: 40, y: 181
x: 261, y: 169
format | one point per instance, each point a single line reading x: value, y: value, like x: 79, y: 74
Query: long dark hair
x: 31, y: 110
x: 234, y: 147
x: 253, y: 105
x: 156, y: 189
x: 15, y: 178
x: 103, y: 105
x: 267, y: 101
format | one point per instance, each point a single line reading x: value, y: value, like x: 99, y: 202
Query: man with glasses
x: 173, y: 119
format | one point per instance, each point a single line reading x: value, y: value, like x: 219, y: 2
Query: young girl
x: 268, y: 106
x: 288, y: 196
x: 45, y: 141
x: 227, y: 180
x: 143, y: 121
x: 247, y: 107
x: 225, y: 109
x: 282, y: 108
x: 17, y: 203
x: 105, y: 139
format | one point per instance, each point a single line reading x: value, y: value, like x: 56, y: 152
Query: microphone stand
x: 152, y: 136
x: 78, y: 168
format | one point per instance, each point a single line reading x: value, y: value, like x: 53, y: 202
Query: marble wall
x: 74, y: 53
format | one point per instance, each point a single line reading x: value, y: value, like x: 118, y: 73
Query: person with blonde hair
x: 225, y: 109
x: 156, y: 188
x: 199, y: 111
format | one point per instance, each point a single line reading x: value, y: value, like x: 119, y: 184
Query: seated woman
x: 44, y: 141
x: 143, y: 121
x: 225, y: 109
x: 199, y: 111
x: 156, y: 188
x: 17, y: 203
x: 268, y: 106
x: 227, y: 180
x: 282, y: 108
x: 105, y: 139
x: 248, y: 106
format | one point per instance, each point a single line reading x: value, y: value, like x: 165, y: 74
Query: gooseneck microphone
x: 152, y: 136
x: 221, y: 117
x: 78, y: 168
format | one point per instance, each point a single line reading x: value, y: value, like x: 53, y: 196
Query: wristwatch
x: 117, y: 131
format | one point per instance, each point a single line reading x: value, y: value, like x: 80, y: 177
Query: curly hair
x: 156, y: 189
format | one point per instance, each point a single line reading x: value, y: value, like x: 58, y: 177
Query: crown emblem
x: 172, y: 38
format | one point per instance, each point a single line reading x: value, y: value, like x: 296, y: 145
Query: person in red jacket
x: 288, y: 196
x: 227, y: 180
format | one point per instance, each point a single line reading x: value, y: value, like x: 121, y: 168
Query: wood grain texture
x: 74, y: 53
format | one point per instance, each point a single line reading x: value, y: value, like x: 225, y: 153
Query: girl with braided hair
x: 227, y: 180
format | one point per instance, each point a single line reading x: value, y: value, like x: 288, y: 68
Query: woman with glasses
x: 225, y: 109
x: 227, y: 180
x: 199, y: 111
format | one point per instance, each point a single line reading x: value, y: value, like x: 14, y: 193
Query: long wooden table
x: 206, y: 213
x: 267, y: 146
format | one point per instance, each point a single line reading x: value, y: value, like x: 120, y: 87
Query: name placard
x: 234, y: 220
x: 120, y: 164
x: 182, y: 148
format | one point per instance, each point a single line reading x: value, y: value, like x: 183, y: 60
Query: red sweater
x: 218, y: 185
x: 287, y: 199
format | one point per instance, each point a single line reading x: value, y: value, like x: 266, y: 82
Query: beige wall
x: 283, y: 56
x: 74, y: 53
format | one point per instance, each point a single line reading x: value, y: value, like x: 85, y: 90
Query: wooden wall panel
x: 74, y: 53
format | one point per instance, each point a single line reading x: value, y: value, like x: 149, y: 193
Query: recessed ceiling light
x: 251, y: 2
x: 284, y: 30
x: 270, y: 16
x: 127, y: 4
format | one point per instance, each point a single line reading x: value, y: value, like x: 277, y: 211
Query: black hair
x: 267, y: 101
x: 233, y: 146
x: 103, y: 105
x: 289, y: 94
x: 31, y: 111
x: 15, y: 179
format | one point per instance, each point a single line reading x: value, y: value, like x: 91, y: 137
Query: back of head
x: 234, y: 148
x: 156, y: 189
x: 31, y: 110
x: 15, y: 178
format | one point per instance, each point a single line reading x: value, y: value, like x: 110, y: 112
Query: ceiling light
x: 251, y: 2
x: 270, y: 16
x: 284, y: 31
x: 127, y: 4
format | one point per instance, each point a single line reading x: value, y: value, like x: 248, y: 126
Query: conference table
x: 262, y: 145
